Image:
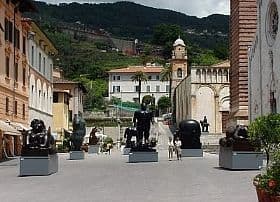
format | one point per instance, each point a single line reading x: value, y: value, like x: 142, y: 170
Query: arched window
x: 203, y: 80
x: 214, y: 79
x: 220, y: 76
x: 198, y: 76
x: 225, y: 76
x: 179, y: 73
x: 208, y: 77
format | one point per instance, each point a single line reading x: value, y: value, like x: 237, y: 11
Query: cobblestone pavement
x: 110, y: 178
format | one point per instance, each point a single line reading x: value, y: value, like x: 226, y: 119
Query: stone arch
x: 198, y: 76
x: 39, y: 94
x: 220, y: 76
x: 208, y: 76
x: 225, y: 76
x: 224, y: 98
x: 32, y: 91
x: 214, y: 76
x: 203, y: 79
x: 205, y: 102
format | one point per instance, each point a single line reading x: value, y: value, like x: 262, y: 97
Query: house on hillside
x: 121, y: 85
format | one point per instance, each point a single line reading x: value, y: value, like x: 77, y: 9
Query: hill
x: 127, y: 19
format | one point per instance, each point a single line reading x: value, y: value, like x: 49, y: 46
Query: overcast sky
x: 200, y: 8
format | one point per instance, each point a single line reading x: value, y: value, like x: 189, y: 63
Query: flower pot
x: 263, y: 196
x: 275, y: 198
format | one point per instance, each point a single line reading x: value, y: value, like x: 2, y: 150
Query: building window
x: 114, y: 78
x: 179, y: 73
x: 157, y: 77
x: 136, y: 88
x: 167, y: 88
x: 157, y: 88
x: 118, y: 78
x: 148, y: 89
x: 23, y: 76
x: 116, y: 89
x: 7, y: 105
x: 15, y: 107
x: 24, y: 45
x: 44, y: 65
x: 40, y: 62
x: 8, y: 67
x: 17, y: 38
x: 150, y: 77
x: 23, y: 111
x: 6, y: 29
x: 55, y: 97
x: 10, y: 31
x: 16, y: 72
x: 32, y: 55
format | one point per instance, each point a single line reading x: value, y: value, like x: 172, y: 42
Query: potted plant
x: 264, y: 132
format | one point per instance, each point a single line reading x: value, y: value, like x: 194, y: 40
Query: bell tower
x: 179, y: 62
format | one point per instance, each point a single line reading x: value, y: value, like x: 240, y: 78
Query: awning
x: 8, y: 129
x: 19, y: 126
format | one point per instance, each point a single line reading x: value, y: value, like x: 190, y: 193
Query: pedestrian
x: 170, y: 149
x: 178, y: 149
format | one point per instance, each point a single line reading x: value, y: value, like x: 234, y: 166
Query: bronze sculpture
x: 93, y: 140
x: 237, y: 138
x: 128, y: 134
x: 79, y: 131
x: 142, y: 121
x: 189, y: 133
x: 204, y: 125
x: 38, y: 141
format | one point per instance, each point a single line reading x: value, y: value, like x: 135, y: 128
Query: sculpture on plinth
x: 79, y: 131
x: 237, y: 139
x: 38, y: 141
x: 128, y: 134
x: 189, y: 132
x: 142, y: 121
x: 204, y: 125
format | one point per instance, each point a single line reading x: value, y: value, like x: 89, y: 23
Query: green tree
x: 139, y: 77
x: 147, y: 99
x: 164, y: 103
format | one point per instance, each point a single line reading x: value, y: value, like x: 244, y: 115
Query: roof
x: 178, y: 42
x: 65, y: 81
x: 8, y: 129
x: 225, y: 63
x: 134, y: 69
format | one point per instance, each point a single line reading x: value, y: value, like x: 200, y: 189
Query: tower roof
x: 179, y: 42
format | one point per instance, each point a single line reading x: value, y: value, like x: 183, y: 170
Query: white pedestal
x: 93, y: 149
x: 38, y: 165
x: 77, y: 155
x: 240, y: 160
x: 192, y: 153
x: 137, y: 157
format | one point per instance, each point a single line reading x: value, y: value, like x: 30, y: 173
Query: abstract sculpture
x: 38, y: 141
x: 79, y: 131
x: 189, y: 133
x: 128, y: 134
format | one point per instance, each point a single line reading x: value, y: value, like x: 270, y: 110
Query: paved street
x: 110, y: 178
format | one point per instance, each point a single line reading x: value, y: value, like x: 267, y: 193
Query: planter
x: 264, y: 196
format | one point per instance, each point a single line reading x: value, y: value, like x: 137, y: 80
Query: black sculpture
x: 128, y: 134
x: 204, y: 124
x: 237, y: 138
x: 189, y: 132
x: 142, y: 120
x: 79, y: 131
x: 93, y: 140
x: 38, y: 141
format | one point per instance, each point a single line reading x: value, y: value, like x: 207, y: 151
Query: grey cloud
x: 198, y: 8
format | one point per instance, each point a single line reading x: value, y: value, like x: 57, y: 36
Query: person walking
x: 170, y: 148
x: 178, y: 149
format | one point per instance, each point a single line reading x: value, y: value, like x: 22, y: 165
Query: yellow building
x: 13, y: 73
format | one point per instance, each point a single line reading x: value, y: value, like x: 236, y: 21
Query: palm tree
x: 139, y: 76
x: 166, y: 75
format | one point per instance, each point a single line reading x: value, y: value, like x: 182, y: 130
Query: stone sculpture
x: 189, y: 132
x: 79, y: 131
x: 38, y: 141
x: 142, y: 121
x: 237, y: 138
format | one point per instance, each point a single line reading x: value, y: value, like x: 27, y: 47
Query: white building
x: 264, y: 60
x: 121, y: 85
x: 205, y: 92
x: 40, y: 59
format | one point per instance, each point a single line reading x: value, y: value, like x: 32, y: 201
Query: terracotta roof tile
x: 134, y: 69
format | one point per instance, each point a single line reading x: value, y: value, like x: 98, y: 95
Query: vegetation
x: 164, y: 103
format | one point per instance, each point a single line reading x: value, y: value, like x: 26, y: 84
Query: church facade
x: 200, y: 91
x: 264, y: 72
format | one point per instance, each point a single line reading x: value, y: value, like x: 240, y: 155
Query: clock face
x: 272, y: 21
